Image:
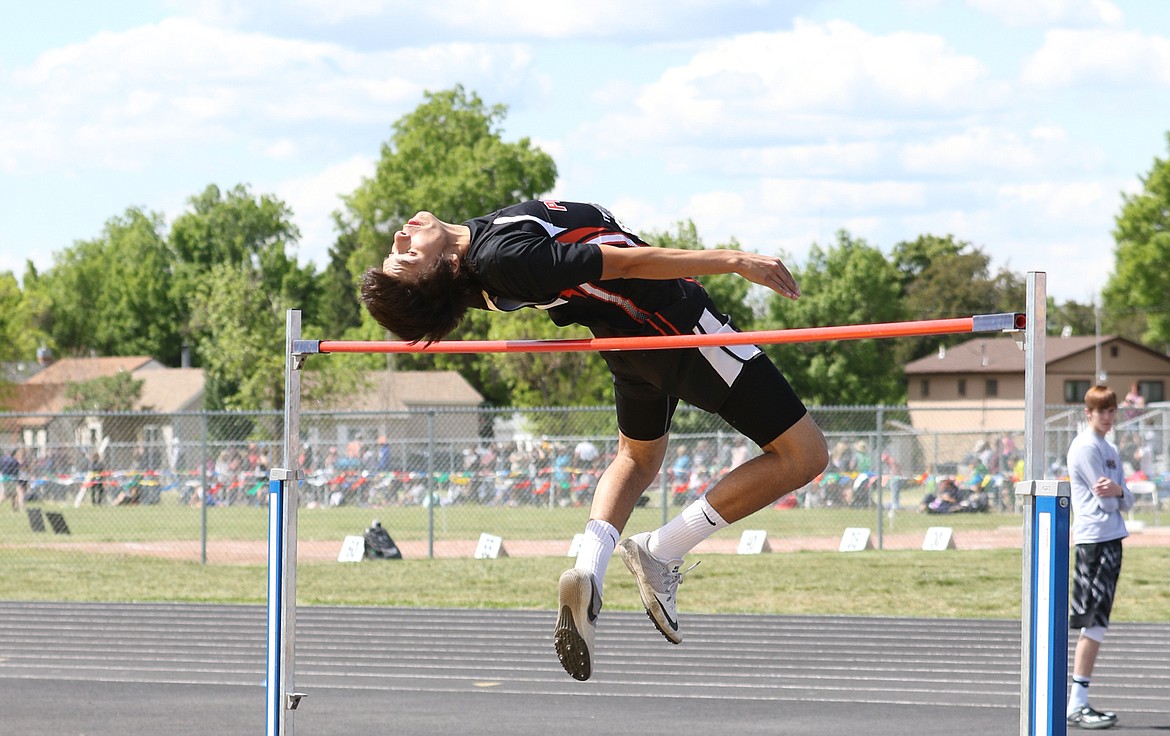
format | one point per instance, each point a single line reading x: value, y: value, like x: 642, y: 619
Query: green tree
x: 850, y: 282
x: 65, y: 294
x: 338, y: 308
x: 245, y: 231
x: 243, y: 355
x: 235, y: 276
x: 19, y: 338
x: 1078, y: 319
x: 942, y: 278
x: 111, y: 295
x: 548, y: 379
x: 1139, y: 287
x: 119, y: 392
x: 448, y: 157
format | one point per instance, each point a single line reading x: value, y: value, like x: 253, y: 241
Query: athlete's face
x: 418, y: 246
x: 1101, y: 420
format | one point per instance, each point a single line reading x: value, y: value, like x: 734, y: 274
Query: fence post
x: 878, y: 453
x: 431, y: 483
x: 203, y: 489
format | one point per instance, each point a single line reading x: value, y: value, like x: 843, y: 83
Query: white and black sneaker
x: 1091, y: 719
x: 657, y: 584
x: 578, y: 605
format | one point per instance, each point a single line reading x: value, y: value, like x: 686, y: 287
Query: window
x: 962, y: 387
x: 924, y: 388
x: 1113, y: 352
x: 1074, y: 391
x: 152, y: 440
x: 1152, y: 391
x: 992, y: 387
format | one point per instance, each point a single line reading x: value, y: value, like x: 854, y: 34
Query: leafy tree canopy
x: 111, y: 295
x: 1137, y: 295
x: 850, y: 282
x: 119, y: 392
x: 19, y: 338
x: 942, y: 277
x: 448, y: 157
x: 236, y: 275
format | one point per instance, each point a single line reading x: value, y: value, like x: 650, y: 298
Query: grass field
x: 958, y: 583
x: 171, y: 521
x: 953, y: 584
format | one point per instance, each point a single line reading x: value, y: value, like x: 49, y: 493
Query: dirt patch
x: 316, y: 550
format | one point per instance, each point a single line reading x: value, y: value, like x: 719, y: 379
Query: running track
x: 179, y: 669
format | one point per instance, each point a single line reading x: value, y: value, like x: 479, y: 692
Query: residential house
x: 415, y: 416
x: 973, y: 393
x: 62, y: 442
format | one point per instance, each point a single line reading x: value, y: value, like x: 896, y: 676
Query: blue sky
x: 1015, y: 126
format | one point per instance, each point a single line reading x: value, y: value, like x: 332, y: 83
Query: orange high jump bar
x: 1006, y: 322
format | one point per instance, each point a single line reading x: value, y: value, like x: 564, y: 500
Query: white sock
x: 597, y: 546
x: 1078, y: 694
x: 682, y: 533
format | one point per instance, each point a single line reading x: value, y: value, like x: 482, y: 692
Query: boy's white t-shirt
x: 1096, y: 519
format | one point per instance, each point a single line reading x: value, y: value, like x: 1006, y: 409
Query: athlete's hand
x: 1104, y: 488
x: 771, y: 272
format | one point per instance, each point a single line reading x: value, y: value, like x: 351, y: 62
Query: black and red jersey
x: 545, y: 254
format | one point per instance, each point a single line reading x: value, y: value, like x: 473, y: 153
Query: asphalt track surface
x: 194, y: 669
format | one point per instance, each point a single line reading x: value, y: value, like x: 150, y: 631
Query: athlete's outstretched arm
x: 676, y: 263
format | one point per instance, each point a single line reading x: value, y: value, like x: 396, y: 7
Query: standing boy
x: 1099, y: 496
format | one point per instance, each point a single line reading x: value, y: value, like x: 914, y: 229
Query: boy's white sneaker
x: 578, y: 605
x: 657, y: 584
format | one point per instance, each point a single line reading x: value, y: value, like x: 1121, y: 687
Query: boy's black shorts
x: 739, y: 383
x: 1097, y: 568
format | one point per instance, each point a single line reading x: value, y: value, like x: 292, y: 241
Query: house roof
x: 78, y: 370
x: 173, y: 389
x: 19, y: 398
x: 1003, y: 355
x: 402, y: 390
x: 163, y: 389
x: 19, y: 371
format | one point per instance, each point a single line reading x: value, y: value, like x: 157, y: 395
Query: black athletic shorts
x: 1098, y: 566
x: 740, y: 384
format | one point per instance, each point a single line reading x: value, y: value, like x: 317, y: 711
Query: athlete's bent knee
x: 804, y: 449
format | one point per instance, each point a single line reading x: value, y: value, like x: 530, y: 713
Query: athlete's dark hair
x: 427, y: 308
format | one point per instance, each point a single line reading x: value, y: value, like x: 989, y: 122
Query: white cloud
x: 567, y: 20
x: 121, y: 97
x: 816, y: 81
x: 718, y: 206
x: 337, y: 11
x: 1111, y: 56
x: 284, y: 148
x: 979, y: 150
x: 1066, y: 202
x: 836, y: 197
x: 313, y: 200
x: 1044, y: 13
x: 834, y: 159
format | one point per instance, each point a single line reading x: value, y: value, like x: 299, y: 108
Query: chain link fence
x: 194, y: 485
